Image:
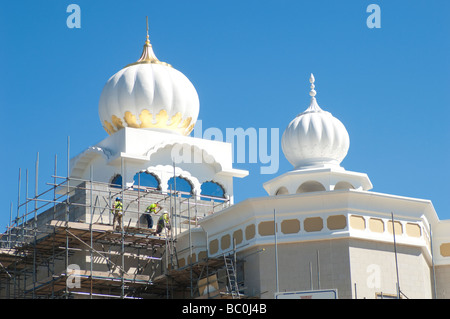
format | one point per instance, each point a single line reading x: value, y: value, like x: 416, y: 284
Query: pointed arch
x: 147, y: 179
x: 282, y: 191
x: 212, y: 189
x: 117, y: 181
x: 343, y: 185
x: 183, y: 185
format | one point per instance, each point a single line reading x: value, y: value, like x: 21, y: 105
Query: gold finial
x: 148, y: 56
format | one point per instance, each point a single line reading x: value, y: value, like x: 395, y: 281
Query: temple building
x: 319, y: 232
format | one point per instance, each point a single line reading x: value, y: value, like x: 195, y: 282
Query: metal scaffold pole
x: 17, y: 233
x: 91, y: 211
x: 35, y: 224
x: 432, y: 263
x: 26, y: 217
x: 66, y: 217
x: 18, y: 197
x: 122, y: 294
x: 54, y: 216
x: 395, y: 253
x: 190, y: 249
x: 277, y: 288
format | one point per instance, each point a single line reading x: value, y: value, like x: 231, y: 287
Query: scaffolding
x: 62, y: 245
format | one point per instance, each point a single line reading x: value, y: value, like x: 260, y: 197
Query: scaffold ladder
x: 233, y: 288
x: 171, y: 249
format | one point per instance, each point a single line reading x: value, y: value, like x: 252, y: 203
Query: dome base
x: 318, y: 163
x: 329, y: 178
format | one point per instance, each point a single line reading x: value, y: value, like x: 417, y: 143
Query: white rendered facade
x: 320, y: 226
x: 326, y: 217
x: 130, y: 151
x: 332, y: 232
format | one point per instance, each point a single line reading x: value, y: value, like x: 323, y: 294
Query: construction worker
x: 152, y: 209
x: 163, y: 221
x: 117, y: 211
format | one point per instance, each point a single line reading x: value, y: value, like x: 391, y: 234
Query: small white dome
x: 315, y: 137
x: 149, y: 94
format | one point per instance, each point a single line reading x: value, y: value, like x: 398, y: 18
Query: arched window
x: 212, y: 189
x: 282, y: 191
x: 183, y: 185
x: 146, y: 179
x: 343, y: 185
x: 117, y: 181
x: 310, y: 186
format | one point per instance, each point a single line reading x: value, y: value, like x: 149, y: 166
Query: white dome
x: 149, y: 94
x: 315, y: 137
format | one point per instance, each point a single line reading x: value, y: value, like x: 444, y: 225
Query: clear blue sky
x: 250, y: 62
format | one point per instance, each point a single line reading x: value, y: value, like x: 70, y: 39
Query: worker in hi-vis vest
x: 151, y: 209
x: 117, y: 211
x: 163, y: 221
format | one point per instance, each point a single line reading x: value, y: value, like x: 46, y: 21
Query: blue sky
x: 250, y: 63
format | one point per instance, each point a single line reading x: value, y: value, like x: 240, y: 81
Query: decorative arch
x: 204, y: 156
x: 282, y: 191
x: 310, y: 186
x: 117, y: 181
x: 147, y: 179
x: 79, y: 163
x: 213, y: 189
x: 183, y: 185
x: 343, y: 185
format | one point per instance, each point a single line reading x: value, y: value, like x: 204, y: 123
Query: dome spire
x: 312, y: 93
x: 313, y: 106
x: 148, y: 56
x: 148, y: 40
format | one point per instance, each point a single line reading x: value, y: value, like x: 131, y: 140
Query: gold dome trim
x: 108, y: 127
x: 148, y: 120
x: 130, y: 119
x: 117, y: 122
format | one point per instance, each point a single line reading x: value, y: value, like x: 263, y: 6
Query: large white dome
x: 315, y: 137
x: 149, y: 94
